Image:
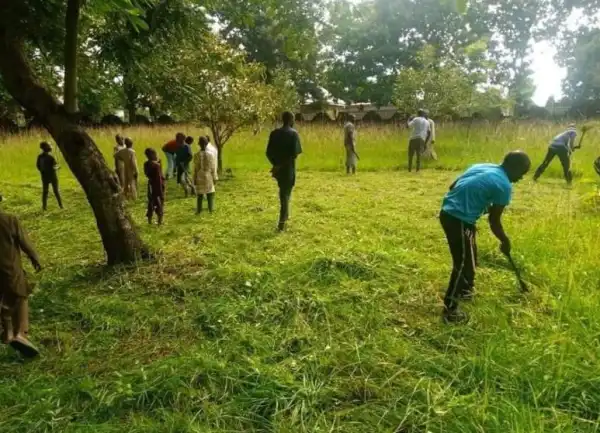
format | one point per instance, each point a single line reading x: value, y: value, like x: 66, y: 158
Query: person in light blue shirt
x: 563, y: 145
x: 482, y: 188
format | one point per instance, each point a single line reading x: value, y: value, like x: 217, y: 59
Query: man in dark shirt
x: 46, y: 164
x: 282, y: 151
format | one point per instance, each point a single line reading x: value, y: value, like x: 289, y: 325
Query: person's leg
x: 21, y: 342
x: 160, y: 209
x: 469, y: 269
x: 354, y: 169
x: 419, y: 152
x: 411, y: 154
x: 170, y: 166
x: 285, y: 192
x: 6, y: 317
x: 547, y: 160
x: 150, y: 209
x: 211, y: 201
x: 57, y: 192
x: 199, y: 199
x: 565, y: 161
x: 462, y: 261
x: 45, y: 188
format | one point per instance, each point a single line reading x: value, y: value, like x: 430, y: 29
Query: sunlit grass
x: 333, y: 326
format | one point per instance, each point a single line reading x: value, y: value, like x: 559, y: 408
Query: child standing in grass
x: 47, y: 166
x: 156, y: 186
x: 14, y: 287
x: 130, y: 169
x: 205, y: 176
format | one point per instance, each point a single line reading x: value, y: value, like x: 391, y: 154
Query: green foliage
x: 215, y: 85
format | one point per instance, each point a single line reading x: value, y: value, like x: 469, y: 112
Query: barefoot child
x: 156, y: 186
x: 47, y: 166
x: 205, y: 176
x: 14, y: 287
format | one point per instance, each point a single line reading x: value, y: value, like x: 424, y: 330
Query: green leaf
x: 461, y: 6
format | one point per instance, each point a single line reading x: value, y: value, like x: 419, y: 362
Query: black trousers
x: 155, y: 205
x: 210, y: 198
x: 285, y: 195
x: 46, y: 183
x: 462, y: 244
x: 415, y: 147
x: 565, y: 160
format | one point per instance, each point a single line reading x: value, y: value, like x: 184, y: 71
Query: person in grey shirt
x: 420, y: 134
x: 563, y: 145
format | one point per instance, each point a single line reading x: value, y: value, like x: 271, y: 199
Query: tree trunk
x: 216, y: 133
x: 131, y: 96
x: 220, y: 159
x: 71, y: 45
x: 119, y: 236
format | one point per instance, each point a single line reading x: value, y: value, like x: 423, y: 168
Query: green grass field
x: 333, y: 326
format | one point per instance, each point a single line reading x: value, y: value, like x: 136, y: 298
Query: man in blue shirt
x: 562, y: 146
x: 482, y: 188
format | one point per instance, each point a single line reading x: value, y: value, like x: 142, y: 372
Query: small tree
x: 218, y: 87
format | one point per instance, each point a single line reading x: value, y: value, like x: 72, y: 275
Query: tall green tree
x: 21, y: 24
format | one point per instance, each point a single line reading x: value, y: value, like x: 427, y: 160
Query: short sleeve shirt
x: 480, y: 187
x: 562, y: 141
x: 420, y: 127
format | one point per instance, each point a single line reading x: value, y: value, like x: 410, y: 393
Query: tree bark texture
x: 119, y: 236
x: 71, y: 45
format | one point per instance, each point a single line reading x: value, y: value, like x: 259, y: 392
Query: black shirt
x: 284, y: 146
x: 46, y: 164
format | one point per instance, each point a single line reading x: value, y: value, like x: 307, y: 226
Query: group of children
x: 179, y: 155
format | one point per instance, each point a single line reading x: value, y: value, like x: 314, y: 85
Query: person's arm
x: 213, y: 167
x: 298, y: 146
x: 572, y: 144
x: 135, y: 166
x: 271, y: 150
x: 495, y: 220
x: 432, y: 127
x: 26, y: 247
x: 39, y: 163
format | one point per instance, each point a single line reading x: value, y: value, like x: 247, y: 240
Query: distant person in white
x: 420, y: 132
x: 212, y: 149
x: 350, y: 146
x: 429, y: 151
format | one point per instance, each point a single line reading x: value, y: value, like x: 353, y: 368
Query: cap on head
x: 288, y: 118
x: 572, y: 125
x: 516, y: 164
x: 128, y: 143
x: 422, y: 113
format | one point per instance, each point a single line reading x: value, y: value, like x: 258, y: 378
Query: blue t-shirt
x: 481, y: 186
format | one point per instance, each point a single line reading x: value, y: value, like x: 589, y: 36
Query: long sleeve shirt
x: 283, y: 149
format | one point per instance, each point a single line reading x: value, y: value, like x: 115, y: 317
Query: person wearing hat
x: 563, y: 145
x: 14, y: 286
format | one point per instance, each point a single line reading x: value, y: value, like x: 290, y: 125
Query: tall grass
x: 334, y: 326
